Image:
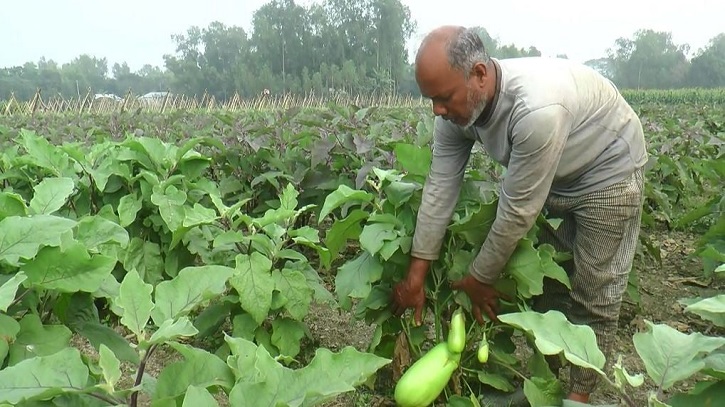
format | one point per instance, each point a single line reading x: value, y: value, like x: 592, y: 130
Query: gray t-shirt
x: 557, y: 126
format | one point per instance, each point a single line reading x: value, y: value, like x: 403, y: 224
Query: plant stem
x: 139, y: 375
x: 624, y: 395
x: 108, y: 399
x: 514, y: 371
x: 20, y: 298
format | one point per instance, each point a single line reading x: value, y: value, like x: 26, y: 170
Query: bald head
x: 438, y: 39
x: 457, y: 46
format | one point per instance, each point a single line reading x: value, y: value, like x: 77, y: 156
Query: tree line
x: 352, y: 46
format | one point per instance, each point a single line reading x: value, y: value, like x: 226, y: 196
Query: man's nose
x: 439, y: 109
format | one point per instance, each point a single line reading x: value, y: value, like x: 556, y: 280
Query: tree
x: 650, y: 60
x: 602, y: 65
x: 708, y: 66
x: 496, y: 49
x: 208, y: 59
x: 280, y: 39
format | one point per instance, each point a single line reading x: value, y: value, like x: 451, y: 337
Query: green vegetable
x: 427, y: 377
x: 482, y: 353
x: 457, y: 334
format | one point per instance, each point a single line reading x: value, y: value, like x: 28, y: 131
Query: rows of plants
x: 136, y: 231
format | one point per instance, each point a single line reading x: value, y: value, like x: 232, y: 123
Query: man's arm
x: 451, y: 152
x: 538, y: 142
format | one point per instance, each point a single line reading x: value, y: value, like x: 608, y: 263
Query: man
x: 570, y: 143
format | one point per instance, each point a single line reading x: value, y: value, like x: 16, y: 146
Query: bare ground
x: 660, y: 288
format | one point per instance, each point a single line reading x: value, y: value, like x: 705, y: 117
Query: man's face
x: 455, y: 98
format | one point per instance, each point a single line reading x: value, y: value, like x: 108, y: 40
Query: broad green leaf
x: 9, y: 329
x: 12, y: 204
x: 69, y: 270
x: 76, y: 309
x: 399, y: 192
x: 705, y: 393
x: 9, y: 289
x: 711, y: 309
x: 528, y: 266
x: 43, y: 377
x: 414, y: 159
x: 254, y: 282
x: 354, y: 278
x: 98, y: 335
x: 305, y: 234
x: 297, y: 294
x: 171, y: 205
x: 390, y: 247
x: 458, y: 267
x: 198, y: 368
x: 128, y: 207
x: 341, y: 196
x: 50, y: 195
x: 475, y: 225
x: 170, y: 330
x: 94, y: 231
x: 21, y: 237
x: 36, y: 339
x: 145, y: 258
x: 177, y: 297
x: 198, y: 397
x: 157, y: 154
x: 495, y: 380
x: 43, y: 154
x: 342, y: 230
x: 263, y: 381
x: 374, y: 236
x: 715, y: 364
x: 134, y: 298
x: 286, y: 335
x: 198, y: 215
x: 670, y: 355
x: 551, y: 268
x: 554, y: 334
x: 460, y: 401
x: 542, y: 392
x: 110, y: 366
x: 186, y: 151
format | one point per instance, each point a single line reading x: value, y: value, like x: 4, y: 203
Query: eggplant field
x: 245, y: 257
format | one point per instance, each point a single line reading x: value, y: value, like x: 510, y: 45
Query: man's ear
x: 480, y: 72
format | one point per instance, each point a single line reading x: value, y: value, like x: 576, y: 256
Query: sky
x: 139, y: 31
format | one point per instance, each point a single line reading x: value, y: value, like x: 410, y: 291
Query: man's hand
x: 483, y: 297
x: 410, y: 292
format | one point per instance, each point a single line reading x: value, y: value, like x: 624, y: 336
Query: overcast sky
x: 139, y: 31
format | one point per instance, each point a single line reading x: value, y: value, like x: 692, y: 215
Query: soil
x: 660, y: 287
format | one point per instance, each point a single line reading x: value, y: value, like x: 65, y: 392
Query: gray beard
x: 477, y: 110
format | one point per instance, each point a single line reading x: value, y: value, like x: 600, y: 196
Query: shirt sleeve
x: 538, y: 140
x: 451, y: 152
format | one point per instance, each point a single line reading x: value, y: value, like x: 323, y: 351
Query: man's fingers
x: 477, y: 314
x: 418, y: 316
x: 490, y: 313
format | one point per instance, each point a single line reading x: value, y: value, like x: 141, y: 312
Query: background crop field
x: 242, y: 254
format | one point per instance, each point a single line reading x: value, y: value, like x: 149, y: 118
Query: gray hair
x: 465, y: 50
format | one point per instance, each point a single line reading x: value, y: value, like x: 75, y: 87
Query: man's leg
x: 608, y: 224
x: 556, y: 295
